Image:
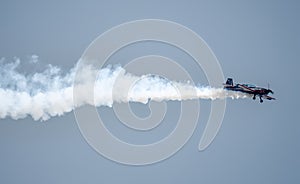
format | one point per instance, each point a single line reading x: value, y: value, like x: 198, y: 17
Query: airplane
x: 249, y: 89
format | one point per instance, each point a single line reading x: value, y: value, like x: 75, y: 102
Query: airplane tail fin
x: 229, y: 81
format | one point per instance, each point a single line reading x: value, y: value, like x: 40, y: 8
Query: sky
x: 256, y: 42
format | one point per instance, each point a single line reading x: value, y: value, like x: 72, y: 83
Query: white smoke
x: 49, y: 93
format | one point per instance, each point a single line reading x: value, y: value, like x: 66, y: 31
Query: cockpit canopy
x: 249, y: 85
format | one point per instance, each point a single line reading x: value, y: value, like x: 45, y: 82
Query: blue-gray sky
x: 256, y: 42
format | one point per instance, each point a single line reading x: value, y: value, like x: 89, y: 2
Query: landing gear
x: 254, y: 97
x: 260, y: 100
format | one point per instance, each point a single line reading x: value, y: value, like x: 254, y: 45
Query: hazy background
x: 256, y: 42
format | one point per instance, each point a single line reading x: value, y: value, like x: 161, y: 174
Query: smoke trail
x: 49, y: 93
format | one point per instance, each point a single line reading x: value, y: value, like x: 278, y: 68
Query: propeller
x: 270, y: 91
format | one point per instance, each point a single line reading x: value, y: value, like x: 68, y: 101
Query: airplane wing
x: 246, y: 88
x: 268, y: 97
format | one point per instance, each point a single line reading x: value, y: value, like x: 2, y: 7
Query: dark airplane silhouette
x: 249, y: 89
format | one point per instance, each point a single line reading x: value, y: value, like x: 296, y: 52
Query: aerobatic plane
x: 249, y: 89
